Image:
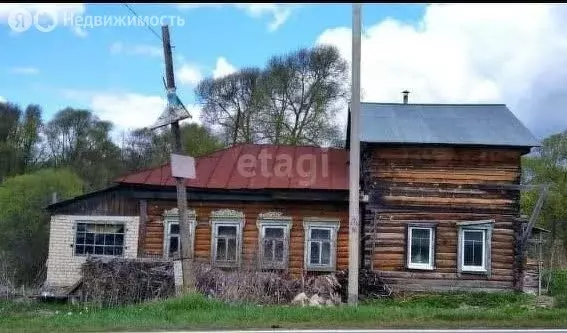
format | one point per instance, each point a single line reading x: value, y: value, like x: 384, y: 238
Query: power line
x: 147, y: 26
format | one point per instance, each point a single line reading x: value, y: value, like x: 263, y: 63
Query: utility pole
x: 354, y: 161
x: 184, y: 229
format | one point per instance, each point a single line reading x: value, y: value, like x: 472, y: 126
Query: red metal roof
x: 259, y: 166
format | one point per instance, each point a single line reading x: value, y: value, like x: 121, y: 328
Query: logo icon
x: 45, y: 21
x: 20, y: 20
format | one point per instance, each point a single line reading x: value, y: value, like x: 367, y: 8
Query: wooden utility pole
x: 184, y: 229
x: 354, y: 161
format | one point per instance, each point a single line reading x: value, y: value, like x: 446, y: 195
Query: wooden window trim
x: 486, y: 226
x: 432, y: 241
x: 172, y: 217
x: 331, y: 224
x: 230, y: 218
x: 273, y: 220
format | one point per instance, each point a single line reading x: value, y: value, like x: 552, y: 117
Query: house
x: 439, y: 214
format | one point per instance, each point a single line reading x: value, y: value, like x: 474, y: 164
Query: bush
x: 558, y: 283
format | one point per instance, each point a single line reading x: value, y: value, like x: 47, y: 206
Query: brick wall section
x: 63, y: 267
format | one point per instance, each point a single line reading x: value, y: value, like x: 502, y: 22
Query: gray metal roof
x: 473, y: 124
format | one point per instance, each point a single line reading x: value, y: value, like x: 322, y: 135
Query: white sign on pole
x: 183, y: 166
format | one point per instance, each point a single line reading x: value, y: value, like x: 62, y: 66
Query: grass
x: 445, y: 310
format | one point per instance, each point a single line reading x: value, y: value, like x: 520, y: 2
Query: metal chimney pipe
x: 405, y: 94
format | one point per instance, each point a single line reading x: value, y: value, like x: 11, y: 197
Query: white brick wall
x: 63, y: 267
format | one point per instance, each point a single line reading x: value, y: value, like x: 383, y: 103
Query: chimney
x: 405, y: 94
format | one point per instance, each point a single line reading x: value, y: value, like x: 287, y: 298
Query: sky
x: 451, y: 53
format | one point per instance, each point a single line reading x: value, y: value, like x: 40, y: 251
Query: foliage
x: 24, y: 222
x: 548, y: 165
x: 293, y: 100
x: 558, y: 283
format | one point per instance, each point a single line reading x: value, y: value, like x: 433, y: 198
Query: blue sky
x: 444, y: 53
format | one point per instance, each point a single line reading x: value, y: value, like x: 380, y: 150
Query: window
x: 172, y: 240
x: 420, y: 247
x: 274, y: 240
x: 474, y: 246
x: 227, y: 234
x: 99, y: 238
x: 320, y: 247
x: 173, y: 247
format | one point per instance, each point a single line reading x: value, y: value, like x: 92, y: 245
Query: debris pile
x: 121, y: 281
x: 370, y: 285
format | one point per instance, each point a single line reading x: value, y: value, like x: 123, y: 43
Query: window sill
x: 226, y: 264
x: 474, y: 271
x: 321, y: 269
x: 421, y: 268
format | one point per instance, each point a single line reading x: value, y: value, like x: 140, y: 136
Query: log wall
x: 152, y: 243
x: 443, y: 186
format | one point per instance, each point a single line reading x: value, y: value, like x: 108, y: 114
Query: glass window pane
x: 315, y: 253
x: 119, y: 240
x: 99, y: 239
x: 221, y: 249
x: 326, y: 253
x: 231, y: 251
x: 109, y: 250
x: 99, y: 249
x: 89, y: 238
x: 81, y: 227
x: 420, y: 246
x: 227, y: 231
x: 173, y: 246
x: 80, y: 238
x: 322, y: 234
x: 268, y: 251
x: 79, y: 249
x: 473, y: 236
x: 174, y: 229
x: 279, y: 251
x: 89, y: 249
x: 118, y: 250
x: 274, y: 232
x: 109, y: 239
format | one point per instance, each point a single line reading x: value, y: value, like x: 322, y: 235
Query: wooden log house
x: 437, y: 215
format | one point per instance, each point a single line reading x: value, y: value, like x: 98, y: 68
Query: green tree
x: 79, y: 140
x: 548, y: 165
x: 293, y: 100
x: 24, y: 221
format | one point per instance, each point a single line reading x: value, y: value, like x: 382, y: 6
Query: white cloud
x: 139, y: 49
x: 189, y: 74
x: 279, y: 13
x: 511, y: 54
x: 53, y: 13
x: 24, y: 70
x: 223, y: 68
x: 3, y: 99
x: 126, y: 110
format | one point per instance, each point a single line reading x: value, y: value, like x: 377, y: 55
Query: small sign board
x: 174, y: 111
x: 183, y: 166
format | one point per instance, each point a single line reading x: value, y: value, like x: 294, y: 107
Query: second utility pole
x: 184, y: 228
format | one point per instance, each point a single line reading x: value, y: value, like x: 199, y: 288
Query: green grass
x: 195, y: 312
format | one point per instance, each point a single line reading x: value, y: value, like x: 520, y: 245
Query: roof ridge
x: 437, y: 104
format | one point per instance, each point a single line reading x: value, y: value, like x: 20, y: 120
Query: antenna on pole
x: 354, y: 158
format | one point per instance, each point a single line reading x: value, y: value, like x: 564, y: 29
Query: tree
x: 292, y: 101
x: 549, y: 166
x: 303, y: 89
x: 199, y: 140
x: 24, y: 222
x: 79, y: 140
x: 233, y: 102
x: 19, y: 138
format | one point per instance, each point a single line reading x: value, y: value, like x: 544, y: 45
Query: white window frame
x: 226, y: 218
x: 273, y: 220
x: 120, y: 220
x: 431, y: 229
x: 330, y: 224
x: 485, y: 227
x: 171, y: 217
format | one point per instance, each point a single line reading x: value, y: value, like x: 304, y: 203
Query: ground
x: 448, y: 310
